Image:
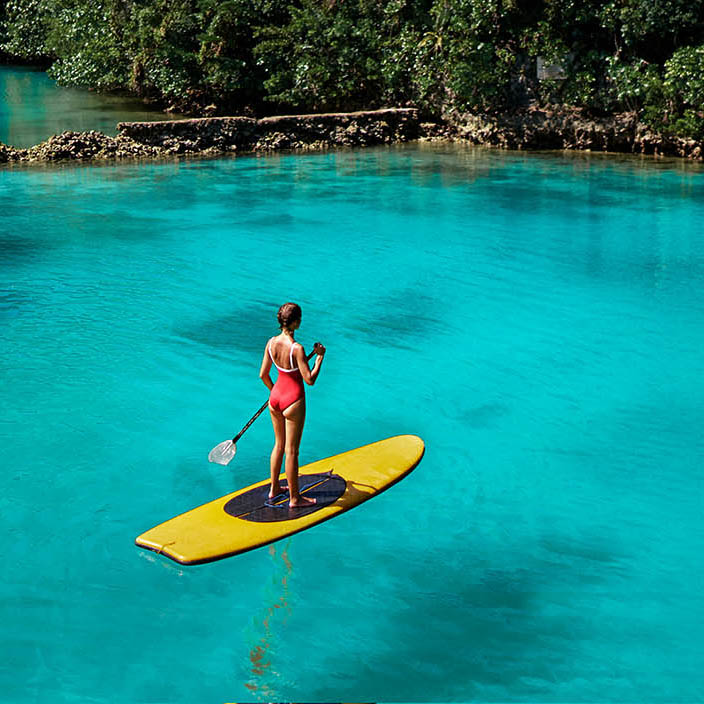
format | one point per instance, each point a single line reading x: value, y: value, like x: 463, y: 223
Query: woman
x: 287, y: 401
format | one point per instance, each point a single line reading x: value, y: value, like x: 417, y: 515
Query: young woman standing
x: 287, y: 400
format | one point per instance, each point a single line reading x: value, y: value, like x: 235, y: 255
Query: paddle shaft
x: 250, y: 421
x: 259, y: 412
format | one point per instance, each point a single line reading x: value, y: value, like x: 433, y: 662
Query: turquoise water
x: 537, y: 319
x: 33, y: 108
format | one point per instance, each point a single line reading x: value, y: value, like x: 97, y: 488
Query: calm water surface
x: 33, y: 108
x: 537, y: 319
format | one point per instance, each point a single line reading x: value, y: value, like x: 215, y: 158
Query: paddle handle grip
x: 257, y: 414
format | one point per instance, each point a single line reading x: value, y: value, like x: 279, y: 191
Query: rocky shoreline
x: 571, y: 128
x: 212, y: 136
x: 528, y: 129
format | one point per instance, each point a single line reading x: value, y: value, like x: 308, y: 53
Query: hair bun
x: 288, y: 314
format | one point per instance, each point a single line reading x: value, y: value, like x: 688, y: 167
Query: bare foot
x: 277, y: 490
x: 301, y: 501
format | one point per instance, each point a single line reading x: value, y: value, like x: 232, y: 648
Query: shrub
x: 633, y: 85
x: 85, y: 39
x: 23, y: 29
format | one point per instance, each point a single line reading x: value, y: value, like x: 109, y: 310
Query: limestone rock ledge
x: 556, y: 127
x: 220, y: 135
x: 571, y: 128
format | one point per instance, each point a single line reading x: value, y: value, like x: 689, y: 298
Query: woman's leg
x: 295, y: 416
x: 277, y: 454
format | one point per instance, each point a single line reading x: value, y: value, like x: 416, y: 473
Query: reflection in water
x: 33, y: 107
x: 261, y: 653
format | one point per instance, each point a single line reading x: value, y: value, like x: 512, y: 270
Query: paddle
x: 225, y: 451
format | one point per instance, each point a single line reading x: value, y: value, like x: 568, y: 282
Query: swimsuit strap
x: 273, y: 361
x: 281, y: 369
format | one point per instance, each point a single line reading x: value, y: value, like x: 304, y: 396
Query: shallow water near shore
x: 537, y: 319
x: 33, y: 108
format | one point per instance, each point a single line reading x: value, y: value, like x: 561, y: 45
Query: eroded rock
x: 557, y: 127
x: 570, y: 128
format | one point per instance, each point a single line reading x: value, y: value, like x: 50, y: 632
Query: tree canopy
x: 319, y: 55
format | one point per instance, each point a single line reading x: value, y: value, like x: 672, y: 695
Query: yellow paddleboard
x: 247, y: 519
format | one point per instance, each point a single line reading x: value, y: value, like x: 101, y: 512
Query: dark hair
x: 288, y: 314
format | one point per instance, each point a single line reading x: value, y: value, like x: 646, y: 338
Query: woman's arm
x: 309, y: 376
x: 266, y: 368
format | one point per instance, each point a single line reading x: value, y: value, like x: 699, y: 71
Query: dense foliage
x: 310, y: 55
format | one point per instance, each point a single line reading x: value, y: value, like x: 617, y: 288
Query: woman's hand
x: 319, y: 349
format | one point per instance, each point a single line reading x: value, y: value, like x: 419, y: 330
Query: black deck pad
x: 255, y: 505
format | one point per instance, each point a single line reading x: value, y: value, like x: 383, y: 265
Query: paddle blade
x: 222, y: 453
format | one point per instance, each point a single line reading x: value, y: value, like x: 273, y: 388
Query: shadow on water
x: 15, y: 249
x: 387, y: 321
x: 590, y: 552
x: 277, y: 221
x: 274, y: 220
x: 490, y: 626
x: 244, y: 331
x: 11, y: 303
x: 485, y: 415
x: 130, y: 227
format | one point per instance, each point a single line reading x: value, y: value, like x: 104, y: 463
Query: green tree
x: 86, y: 41
x: 163, y: 49
x: 23, y: 29
x: 313, y: 55
x: 683, y: 92
x: 229, y: 70
x: 342, y: 55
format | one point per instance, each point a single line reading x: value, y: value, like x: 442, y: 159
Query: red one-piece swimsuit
x: 288, y: 387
